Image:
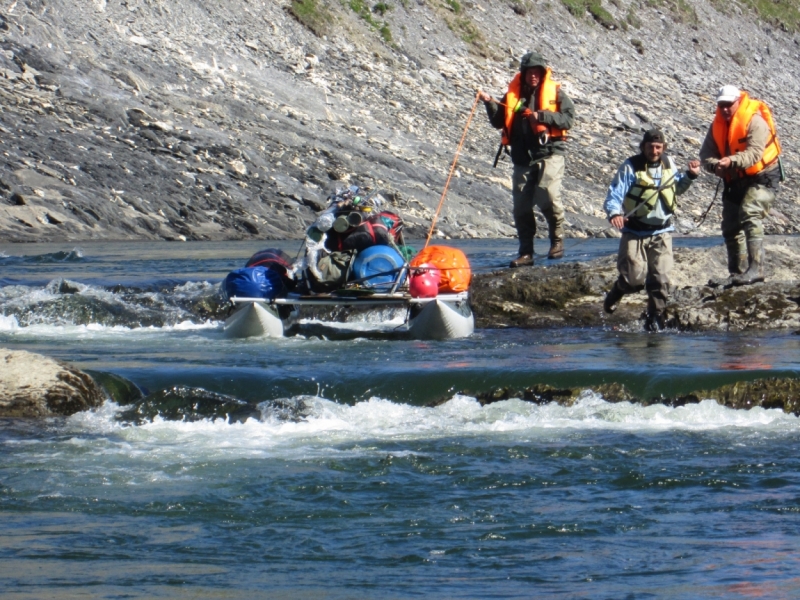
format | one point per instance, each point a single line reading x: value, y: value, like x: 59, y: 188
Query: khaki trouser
x: 743, y: 209
x: 646, y: 263
x: 538, y: 185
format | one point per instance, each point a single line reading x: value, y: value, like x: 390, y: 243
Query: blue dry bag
x: 254, y: 282
x: 378, y: 267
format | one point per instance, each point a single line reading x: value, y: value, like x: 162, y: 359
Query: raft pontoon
x: 447, y: 316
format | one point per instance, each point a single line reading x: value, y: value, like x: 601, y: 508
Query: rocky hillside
x: 185, y: 119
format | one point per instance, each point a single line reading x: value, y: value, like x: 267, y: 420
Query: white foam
x: 359, y: 326
x: 338, y: 428
x: 96, y: 331
x: 40, y: 305
x: 8, y: 323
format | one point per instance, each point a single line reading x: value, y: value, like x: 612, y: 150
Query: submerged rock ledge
x: 772, y: 392
x: 555, y: 294
x: 33, y: 386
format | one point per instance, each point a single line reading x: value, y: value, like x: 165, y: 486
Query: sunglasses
x: 725, y: 104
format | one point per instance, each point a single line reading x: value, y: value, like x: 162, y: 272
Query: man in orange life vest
x: 534, y: 117
x: 742, y: 148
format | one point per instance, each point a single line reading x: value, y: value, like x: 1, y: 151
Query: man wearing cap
x: 533, y: 117
x: 742, y: 148
x: 640, y: 202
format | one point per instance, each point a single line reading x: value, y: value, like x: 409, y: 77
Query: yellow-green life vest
x: 647, y: 202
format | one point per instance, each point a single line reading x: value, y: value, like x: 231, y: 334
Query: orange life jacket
x: 547, y: 99
x: 732, y: 137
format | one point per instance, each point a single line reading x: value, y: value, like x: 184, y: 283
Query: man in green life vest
x: 640, y: 203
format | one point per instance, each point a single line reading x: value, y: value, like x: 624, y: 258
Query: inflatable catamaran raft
x: 355, y: 257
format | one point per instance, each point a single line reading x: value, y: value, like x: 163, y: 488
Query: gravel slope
x: 204, y: 120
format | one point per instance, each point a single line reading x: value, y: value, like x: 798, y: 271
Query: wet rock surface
x: 773, y: 392
x: 191, y: 404
x: 117, y: 388
x: 189, y: 121
x: 183, y: 403
x: 556, y: 294
x: 32, y: 385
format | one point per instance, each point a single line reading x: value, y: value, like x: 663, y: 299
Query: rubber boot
x: 755, y: 272
x: 737, y: 263
x: 555, y: 229
x: 655, y: 321
x: 613, y: 297
x: 556, y: 248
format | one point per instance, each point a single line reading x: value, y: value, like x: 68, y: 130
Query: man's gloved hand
x: 530, y: 115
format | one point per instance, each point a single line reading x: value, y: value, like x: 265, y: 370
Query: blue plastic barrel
x: 377, y: 267
x: 254, y: 282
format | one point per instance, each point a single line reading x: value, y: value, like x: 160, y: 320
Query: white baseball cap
x: 728, y: 93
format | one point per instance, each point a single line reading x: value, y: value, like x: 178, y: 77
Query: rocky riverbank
x: 189, y: 121
x: 571, y: 294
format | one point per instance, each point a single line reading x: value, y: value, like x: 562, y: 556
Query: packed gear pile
x: 355, y: 245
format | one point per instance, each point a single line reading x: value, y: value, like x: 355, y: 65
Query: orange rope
x: 452, y: 169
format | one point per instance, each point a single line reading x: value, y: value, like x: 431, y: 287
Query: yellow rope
x: 452, y: 169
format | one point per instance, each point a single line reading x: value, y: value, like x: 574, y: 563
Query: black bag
x: 370, y: 233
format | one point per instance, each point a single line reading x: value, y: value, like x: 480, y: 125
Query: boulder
x: 32, y: 385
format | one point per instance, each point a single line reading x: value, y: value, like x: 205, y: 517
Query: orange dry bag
x: 453, y: 264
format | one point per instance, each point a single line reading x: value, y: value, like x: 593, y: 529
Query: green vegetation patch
x: 633, y: 19
x: 578, y: 8
x: 521, y: 7
x: 363, y: 10
x: 781, y: 13
x: 680, y: 10
x: 312, y: 14
x: 469, y: 33
x: 462, y: 26
x: 381, y: 8
x: 601, y: 15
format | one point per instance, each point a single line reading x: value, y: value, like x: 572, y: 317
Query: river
x: 384, y: 477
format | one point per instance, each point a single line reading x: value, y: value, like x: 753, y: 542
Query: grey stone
x: 32, y: 385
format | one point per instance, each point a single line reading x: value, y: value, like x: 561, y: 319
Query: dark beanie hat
x: 531, y: 59
x: 653, y: 135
